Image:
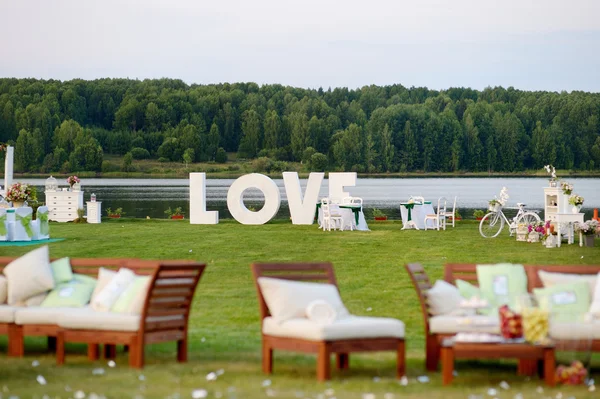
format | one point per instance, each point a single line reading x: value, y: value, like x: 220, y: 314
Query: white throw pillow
x: 3, y: 290
x: 104, y: 277
x: 595, y: 308
x: 550, y: 279
x: 443, y: 298
x: 289, y: 299
x: 33, y: 301
x: 111, y: 292
x: 321, y: 312
x: 29, y: 275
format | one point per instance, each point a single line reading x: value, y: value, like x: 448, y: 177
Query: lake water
x: 151, y: 197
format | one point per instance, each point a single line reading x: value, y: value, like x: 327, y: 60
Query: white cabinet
x: 94, y: 212
x: 555, y: 202
x: 63, y: 205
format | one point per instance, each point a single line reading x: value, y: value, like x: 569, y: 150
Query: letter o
x: 235, y: 199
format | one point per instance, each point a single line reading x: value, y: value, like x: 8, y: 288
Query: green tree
x: 188, y: 156
x: 318, y: 162
x: 251, y: 135
x: 298, y: 133
x: 386, y: 148
x: 221, y: 156
x: 213, y: 142
x: 272, y: 127
x: 127, y: 164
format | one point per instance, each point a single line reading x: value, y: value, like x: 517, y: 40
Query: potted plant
x: 457, y: 215
x: 552, y: 172
x: 577, y: 202
x: 378, y: 214
x: 589, y: 229
x: 174, y: 214
x: 478, y: 214
x: 567, y: 188
x: 116, y: 214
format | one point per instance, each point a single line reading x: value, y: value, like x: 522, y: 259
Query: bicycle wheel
x: 491, y: 225
x: 528, y: 218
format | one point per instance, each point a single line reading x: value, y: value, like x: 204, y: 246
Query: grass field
x: 224, y: 325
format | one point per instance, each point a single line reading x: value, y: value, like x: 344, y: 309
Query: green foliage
x: 377, y: 213
x: 116, y: 212
x: 478, y: 213
x: 127, y: 164
x: 318, y: 162
x: 188, y: 156
x: 372, y: 129
x: 139, y: 153
x: 221, y: 156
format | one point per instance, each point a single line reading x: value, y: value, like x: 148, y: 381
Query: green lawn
x: 224, y: 325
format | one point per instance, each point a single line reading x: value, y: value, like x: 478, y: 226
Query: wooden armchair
x: 164, y: 317
x: 319, y: 272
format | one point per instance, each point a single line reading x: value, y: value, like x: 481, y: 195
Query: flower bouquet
x: 72, y: 180
x: 576, y: 201
x: 567, y: 188
x: 536, y: 231
x: 19, y: 193
x: 589, y: 229
x: 552, y: 172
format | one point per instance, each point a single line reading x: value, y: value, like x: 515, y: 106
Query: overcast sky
x: 528, y: 44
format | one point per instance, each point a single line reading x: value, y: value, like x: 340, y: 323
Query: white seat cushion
x: 7, y: 313
x: 350, y: 327
x: 41, y: 315
x: 575, y: 331
x: 88, y: 319
x: 446, y: 324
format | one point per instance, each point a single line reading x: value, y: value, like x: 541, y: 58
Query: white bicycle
x: 492, y: 224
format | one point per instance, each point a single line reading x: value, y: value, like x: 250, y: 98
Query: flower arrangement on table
x: 536, y: 231
x: 552, y: 172
x: 588, y: 228
x: 567, y: 188
x: 20, y: 192
x: 411, y: 201
x: 72, y: 180
x: 576, y: 200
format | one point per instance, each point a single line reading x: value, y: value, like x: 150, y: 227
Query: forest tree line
x: 69, y: 126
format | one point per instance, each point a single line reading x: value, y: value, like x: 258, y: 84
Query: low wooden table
x: 526, y: 353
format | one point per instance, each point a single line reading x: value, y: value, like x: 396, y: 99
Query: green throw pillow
x: 467, y: 290
x: 566, y: 301
x: 72, y: 294
x: 126, y: 300
x: 85, y: 279
x: 61, y: 270
x: 502, y: 284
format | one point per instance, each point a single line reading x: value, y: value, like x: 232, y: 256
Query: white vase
x: 576, y: 209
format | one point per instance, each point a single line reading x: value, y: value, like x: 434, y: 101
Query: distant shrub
x: 139, y: 153
x: 221, y: 156
x: 163, y: 159
x: 233, y: 168
x: 262, y: 164
x: 279, y: 166
x: 109, y: 167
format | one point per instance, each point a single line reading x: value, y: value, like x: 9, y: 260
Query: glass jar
x: 536, y: 320
x: 93, y: 198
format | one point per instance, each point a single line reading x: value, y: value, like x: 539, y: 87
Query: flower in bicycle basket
x: 576, y: 200
x: 567, y: 188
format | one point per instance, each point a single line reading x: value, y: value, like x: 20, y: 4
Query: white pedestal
x: 568, y: 219
x: 94, y: 212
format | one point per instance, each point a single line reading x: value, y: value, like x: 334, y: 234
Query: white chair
x: 451, y: 214
x: 23, y: 225
x: 331, y: 217
x: 3, y: 225
x: 41, y: 226
x: 335, y: 201
x: 439, y: 219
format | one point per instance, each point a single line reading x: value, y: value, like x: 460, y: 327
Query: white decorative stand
x: 8, y: 169
x: 569, y: 220
x: 94, y: 212
x: 63, y: 205
x: 558, y: 210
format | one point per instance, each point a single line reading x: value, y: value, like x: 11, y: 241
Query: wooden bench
x: 173, y: 299
x: 317, y: 272
x: 468, y: 272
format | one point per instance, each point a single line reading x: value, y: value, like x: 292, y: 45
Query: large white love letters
x: 302, y: 210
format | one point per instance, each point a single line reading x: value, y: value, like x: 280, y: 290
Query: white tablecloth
x: 418, y: 214
x: 11, y: 224
x: 348, y: 219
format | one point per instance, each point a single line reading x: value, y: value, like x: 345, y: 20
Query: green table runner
x: 411, y: 205
x: 355, y: 209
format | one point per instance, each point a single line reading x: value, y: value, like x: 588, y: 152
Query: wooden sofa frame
x: 17, y: 333
x: 316, y: 272
x: 468, y: 272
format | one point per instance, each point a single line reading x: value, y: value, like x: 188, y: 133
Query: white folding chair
x: 23, y: 226
x: 439, y: 219
x: 418, y: 199
x: 330, y: 216
x: 41, y: 225
x: 3, y: 225
x: 452, y: 214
